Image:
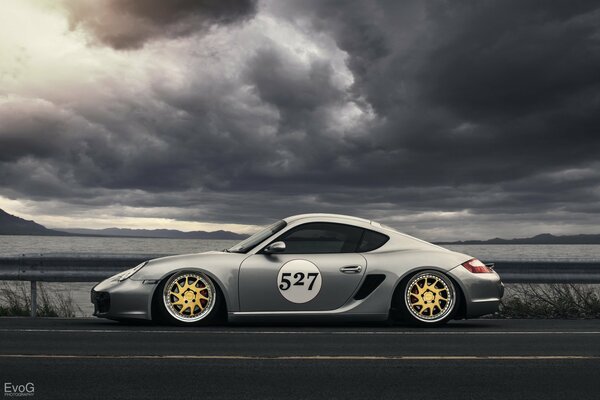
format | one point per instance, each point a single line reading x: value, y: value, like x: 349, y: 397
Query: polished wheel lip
x: 426, y: 278
x: 174, y: 284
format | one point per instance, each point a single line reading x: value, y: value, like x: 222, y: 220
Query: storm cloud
x: 447, y: 120
x: 126, y: 24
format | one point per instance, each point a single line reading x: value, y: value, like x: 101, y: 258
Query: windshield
x: 258, y: 237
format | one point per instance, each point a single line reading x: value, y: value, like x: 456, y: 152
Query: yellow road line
x: 275, y: 332
x: 310, y: 357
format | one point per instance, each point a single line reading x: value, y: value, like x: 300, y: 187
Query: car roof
x: 339, y: 217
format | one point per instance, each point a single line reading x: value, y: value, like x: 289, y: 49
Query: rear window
x: 372, y: 240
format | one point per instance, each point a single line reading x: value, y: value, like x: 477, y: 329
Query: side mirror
x: 277, y: 247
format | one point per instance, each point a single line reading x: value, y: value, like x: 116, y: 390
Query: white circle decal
x: 299, y: 281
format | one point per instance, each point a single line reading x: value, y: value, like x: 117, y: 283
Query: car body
x: 309, y: 267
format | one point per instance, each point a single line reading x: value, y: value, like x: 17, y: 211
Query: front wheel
x: 188, y: 298
x: 429, y: 299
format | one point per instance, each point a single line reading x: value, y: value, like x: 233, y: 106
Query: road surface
x: 478, y: 359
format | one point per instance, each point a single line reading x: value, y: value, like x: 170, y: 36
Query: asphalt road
x: 480, y: 359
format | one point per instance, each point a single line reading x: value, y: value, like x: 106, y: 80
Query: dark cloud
x: 127, y: 24
x: 473, y: 92
x: 474, y: 113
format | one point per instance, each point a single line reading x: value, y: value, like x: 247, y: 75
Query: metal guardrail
x: 548, y: 271
x: 94, y: 268
x: 65, y: 268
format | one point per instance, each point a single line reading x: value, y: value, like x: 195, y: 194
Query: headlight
x: 129, y: 273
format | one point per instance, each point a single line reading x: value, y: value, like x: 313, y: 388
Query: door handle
x: 351, y: 269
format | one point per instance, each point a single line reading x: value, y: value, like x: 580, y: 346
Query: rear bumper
x: 482, y: 292
x: 478, y: 308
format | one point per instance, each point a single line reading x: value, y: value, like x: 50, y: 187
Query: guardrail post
x: 33, y: 299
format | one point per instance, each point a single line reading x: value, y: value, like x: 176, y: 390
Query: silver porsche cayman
x: 307, y: 267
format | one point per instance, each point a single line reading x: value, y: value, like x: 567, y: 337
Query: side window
x: 371, y: 241
x: 321, y: 237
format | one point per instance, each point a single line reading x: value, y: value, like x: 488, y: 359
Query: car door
x: 319, y: 270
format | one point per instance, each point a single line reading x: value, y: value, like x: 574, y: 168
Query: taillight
x: 477, y: 267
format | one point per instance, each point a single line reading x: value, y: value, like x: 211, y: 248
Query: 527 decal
x: 299, y: 281
x: 299, y: 277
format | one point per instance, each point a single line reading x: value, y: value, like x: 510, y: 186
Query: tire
x: 187, y: 298
x: 427, y: 298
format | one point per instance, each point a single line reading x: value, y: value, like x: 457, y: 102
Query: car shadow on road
x: 288, y: 325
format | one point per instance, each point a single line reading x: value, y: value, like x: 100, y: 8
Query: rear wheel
x: 429, y: 298
x: 188, y: 298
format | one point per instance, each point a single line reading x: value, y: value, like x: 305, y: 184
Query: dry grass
x: 15, y: 300
x: 550, y: 301
x: 520, y: 301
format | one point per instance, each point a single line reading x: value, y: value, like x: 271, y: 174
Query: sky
x: 448, y: 120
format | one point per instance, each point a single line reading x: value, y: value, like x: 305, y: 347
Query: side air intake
x: 371, y: 283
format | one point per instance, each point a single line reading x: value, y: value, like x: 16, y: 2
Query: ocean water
x: 530, y: 252
x: 17, y: 245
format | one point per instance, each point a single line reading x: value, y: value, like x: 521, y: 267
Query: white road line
x: 294, y: 358
x: 246, y: 332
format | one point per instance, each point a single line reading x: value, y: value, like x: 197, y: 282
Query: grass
x: 557, y: 300
x: 15, y: 300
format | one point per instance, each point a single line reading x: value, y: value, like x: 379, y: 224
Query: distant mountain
x: 544, y: 238
x: 157, y: 233
x: 11, y: 225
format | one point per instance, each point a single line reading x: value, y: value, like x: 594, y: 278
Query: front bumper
x: 101, y: 302
x: 123, y: 300
x: 482, y: 292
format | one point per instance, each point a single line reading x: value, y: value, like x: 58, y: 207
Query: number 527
x: 299, y: 277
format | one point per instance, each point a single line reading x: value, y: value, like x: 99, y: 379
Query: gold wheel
x: 189, y: 297
x: 430, y: 296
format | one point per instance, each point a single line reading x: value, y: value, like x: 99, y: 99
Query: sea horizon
x: 16, y: 245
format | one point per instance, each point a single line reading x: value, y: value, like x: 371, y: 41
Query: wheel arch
x: 155, y: 298
x: 403, y: 279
